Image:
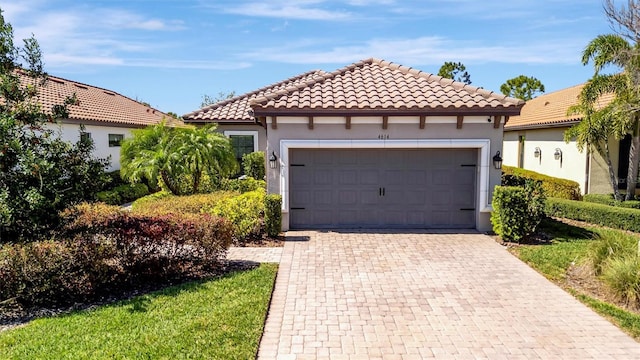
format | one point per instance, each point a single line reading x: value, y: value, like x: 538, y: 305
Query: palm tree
x: 204, y: 149
x: 624, y: 111
x: 150, y: 155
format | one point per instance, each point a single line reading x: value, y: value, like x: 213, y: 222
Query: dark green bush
x: 273, y: 214
x: 253, y: 165
x: 517, y: 211
x: 245, y: 211
x: 123, y: 194
x: 242, y: 185
x: 599, y: 214
x: 552, y: 186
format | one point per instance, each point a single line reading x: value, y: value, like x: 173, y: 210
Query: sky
x: 170, y: 53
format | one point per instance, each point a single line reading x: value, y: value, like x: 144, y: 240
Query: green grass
x: 627, y: 321
x: 216, y: 319
x: 569, y: 245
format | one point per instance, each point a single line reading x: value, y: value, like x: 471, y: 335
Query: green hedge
x: 253, y: 164
x: 242, y: 185
x: 517, y: 211
x: 273, y: 214
x: 123, y: 194
x: 553, y: 186
x: 246, y: 213
x: 607, y: 199
x: 599, y: 214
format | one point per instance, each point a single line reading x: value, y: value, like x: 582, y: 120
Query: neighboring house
x: 535, y: 141
x: 379, y: 145
x: 107, y: 116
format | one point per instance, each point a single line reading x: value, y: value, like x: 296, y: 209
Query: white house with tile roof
x: 379, y: 145
x: 534, y: 140
x: 108, y: 117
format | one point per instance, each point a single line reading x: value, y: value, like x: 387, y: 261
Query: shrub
x: 622, y: 276
x: 517, y: 211
x: 123, y: 194
x: 552, y: 186
x: 610, y: 245
x: 242, y: 185
x: 253, y: 164
x: 245, y: 211
x: 614, y: 217
x: 165, y: 203
x: 607, y: 199
x: 273, y: 214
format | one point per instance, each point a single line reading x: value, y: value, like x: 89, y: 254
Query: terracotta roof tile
x: 94, y: 103
x: 551, y: 109
x: 375, y: 84
x: 238, y: 109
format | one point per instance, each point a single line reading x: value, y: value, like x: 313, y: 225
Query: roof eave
x: 541, y: 126
x: 506, y: 111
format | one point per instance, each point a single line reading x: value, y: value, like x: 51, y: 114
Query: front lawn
x: 561, y: 260
x: 222, y: 318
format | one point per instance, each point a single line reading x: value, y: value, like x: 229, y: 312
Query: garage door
x: 421, y: 188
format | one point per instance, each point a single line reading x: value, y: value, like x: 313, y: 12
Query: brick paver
x: 257, y: 254
x: 384, y: 295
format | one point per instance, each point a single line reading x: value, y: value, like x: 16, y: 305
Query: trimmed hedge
x: 607, y: 199
x: 164, y: 203
x: 552, y: 186
x: 245, y: 211
x: 253, y: 165
x: 599, y: 214
x: 103, y: 249
x: 123, y: 194
x: 273, y: 214
x: 517, y: 211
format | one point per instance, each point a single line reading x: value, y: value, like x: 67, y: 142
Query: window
x: 521, y: 139
x: 243, y: 142
x: 623, y: 163
x: 84, y: 136
x: 115, y: 140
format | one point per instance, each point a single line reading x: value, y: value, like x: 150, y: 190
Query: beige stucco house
x: 376, y: 144
x: 107, y: 117
x: 534, y: 140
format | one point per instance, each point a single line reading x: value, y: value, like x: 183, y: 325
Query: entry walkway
x: 386, y: 295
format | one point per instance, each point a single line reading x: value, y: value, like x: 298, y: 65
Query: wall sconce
x: 558, y: 154
x: 497, y: 161
x: 537, y: 152
x: 273, y: 160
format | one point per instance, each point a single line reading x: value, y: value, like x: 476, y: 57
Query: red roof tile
x: 94, y: 103
x: 550, y: 110
x: 379, y: 85
x: 237, y: 109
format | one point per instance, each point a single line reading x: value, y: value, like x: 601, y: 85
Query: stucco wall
x: 100, y: 136
x: 573, y: 165
x: 400, y: 128
x: 599, y: 179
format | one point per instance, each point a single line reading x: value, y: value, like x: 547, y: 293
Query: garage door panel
x: 353, y: 188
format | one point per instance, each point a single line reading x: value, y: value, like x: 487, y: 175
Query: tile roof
x: 237, y: 109
x: 94, y: 103
x: 376, y: 85
x: 550, y: 110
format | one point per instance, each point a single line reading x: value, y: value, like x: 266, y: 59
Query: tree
x: 159, y: 152
x: 210, y: 100
x: 522, y: 87
x: 620, y: 51
x: 41, y: 173
x: 593, y: 133
x: 455, y: 71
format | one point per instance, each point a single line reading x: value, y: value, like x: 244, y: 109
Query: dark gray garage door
x: 430, y: 188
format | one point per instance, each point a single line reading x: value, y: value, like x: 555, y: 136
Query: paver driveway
x: 363, y: 295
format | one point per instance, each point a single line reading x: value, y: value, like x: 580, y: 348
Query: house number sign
x: 383, y: 136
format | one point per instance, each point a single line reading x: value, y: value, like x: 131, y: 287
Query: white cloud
x: 426, y: 51
x: 301, y: 10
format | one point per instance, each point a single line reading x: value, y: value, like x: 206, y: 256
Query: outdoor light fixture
x: 537, y: 152
x: 558, y: 154
x: 497, y: 161
x: 273, y: 160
